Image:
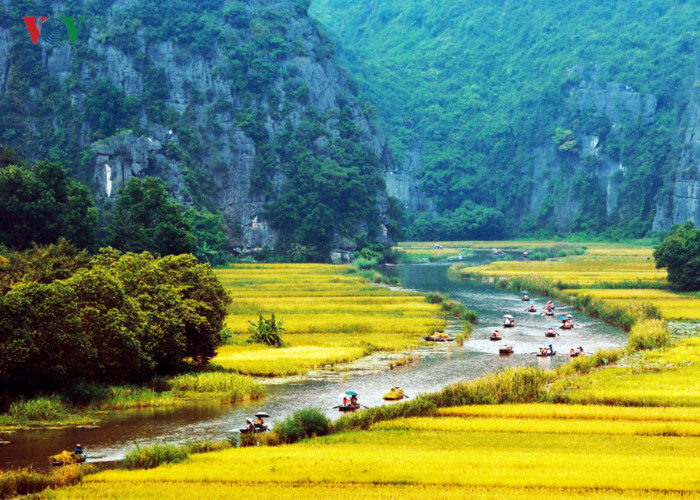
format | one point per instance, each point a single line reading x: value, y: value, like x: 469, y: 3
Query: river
x: 438, y: 365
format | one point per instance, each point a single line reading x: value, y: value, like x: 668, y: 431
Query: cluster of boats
x: 567, y: 323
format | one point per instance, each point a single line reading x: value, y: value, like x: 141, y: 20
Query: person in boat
x: 550, y: 330
x: 496, y: 333
x: 353, y: 400
x: 249, y: 424
x: 550, y: 349
x: 78, y: 450
x: 525, y: 255
x: 259, y: 424
x: 572, y: 352
x: 579, y: 350
x: 531, y: 308
x: 346, y: 401
x: 526, y: 297
x: 543, y: 350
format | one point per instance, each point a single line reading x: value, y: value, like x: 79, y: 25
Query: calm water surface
x: 439, y: 365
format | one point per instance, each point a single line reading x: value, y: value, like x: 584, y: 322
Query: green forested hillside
x: 479, y: 85
x: 237, y: 106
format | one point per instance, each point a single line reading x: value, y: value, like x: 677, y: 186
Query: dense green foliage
x: 112, y: 318
x: 679, y: 253
x: 266, y: 331
x: 145, y: 220
x: 303, y: 424
x: 328, y: 192
x: 39, y: 204
x: 480, y: 87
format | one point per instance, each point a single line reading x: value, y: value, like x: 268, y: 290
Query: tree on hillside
x: 39, y: 204
x: 679, y: 253
x: 145, y: 220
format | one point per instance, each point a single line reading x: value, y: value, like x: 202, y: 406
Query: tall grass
x: 149, y: 457
x: 650, y: 334
x: 27, y: 481
x: 233, y: 386
x: 39, y: 409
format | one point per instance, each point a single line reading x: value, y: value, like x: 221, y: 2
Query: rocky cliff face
x: 684, y: 203
x: 203, y: 115
x: 555, y: 170
x: 566, y: 185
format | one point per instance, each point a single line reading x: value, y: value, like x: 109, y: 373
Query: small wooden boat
x: 548, y: 312
x: 349, y: 407
x: 550, y: 334
x: 546, y: 354
x: 492, y: 337
x: 245, y: 430
x: 574, y: 354
x: 394, y: 394
x: 566, y: 327
x: 509, y: 325
x: 438, y: 338
x: 508, y: 349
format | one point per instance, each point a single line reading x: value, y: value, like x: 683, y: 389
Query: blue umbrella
x: 552, y: 326
x: 525, y: 292
x: 351, y: 393
x: 563, y: 318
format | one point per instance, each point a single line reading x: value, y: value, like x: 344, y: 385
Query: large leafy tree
x: 39, y: 204
x: 145, y: 219
x: 679, y: 253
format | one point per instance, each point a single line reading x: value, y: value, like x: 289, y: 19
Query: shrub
x: 267, y: 331
x: 303, y: 424
x: 471, y: 316
x: 363, y: 263
x: 453, y: 308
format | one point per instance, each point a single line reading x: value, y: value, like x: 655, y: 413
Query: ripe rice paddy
x: 666, y: 377
x: 616, y: 275
x: 330, y: 316
x: 603, y: 452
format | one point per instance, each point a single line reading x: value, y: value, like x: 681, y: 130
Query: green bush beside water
x: 303, y: 424
x: 152, y: 456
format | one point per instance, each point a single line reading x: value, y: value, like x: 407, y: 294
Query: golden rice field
x: 510, y: 451
x: 671, y: 305
x: 330, y: 316
x: 577, y: 271
x: 665, y: 377
x: 592, y: 248
x: 604, y: 264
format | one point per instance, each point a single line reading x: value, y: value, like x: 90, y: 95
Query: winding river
x: 439, y: 365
